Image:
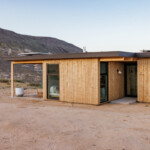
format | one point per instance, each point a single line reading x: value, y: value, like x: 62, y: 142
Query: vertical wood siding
x: 44, y: 80
x: 144, y: 80
x: 12, y: 79
x: 116, y: 81
x: 79, y: 80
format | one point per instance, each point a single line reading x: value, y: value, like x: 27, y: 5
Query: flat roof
x: 144, y: 55
x: 73, y: 56
x: 79, y: 56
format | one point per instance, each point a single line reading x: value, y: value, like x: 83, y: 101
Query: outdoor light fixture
x: 119, y: 71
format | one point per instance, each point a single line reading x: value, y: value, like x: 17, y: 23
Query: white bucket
x: 19, y: 91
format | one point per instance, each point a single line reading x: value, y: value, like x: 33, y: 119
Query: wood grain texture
x: 29, y: 62
x: 118, y: 59
x: 79, y: 80
x: 12, y: 79
x: 116, y: 81
x: 144, y: 80
x: 44, y: 81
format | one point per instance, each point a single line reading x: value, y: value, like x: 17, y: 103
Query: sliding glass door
x: 104, y: 81
x: 53, y: 81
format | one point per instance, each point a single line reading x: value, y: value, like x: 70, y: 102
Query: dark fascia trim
x: 72, y: 56
x: 127, y: 54
x: 143, y: 55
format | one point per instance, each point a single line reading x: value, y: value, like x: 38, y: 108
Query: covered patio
x: 32, y: 93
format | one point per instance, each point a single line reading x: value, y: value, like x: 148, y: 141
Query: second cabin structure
x: 93, y: 77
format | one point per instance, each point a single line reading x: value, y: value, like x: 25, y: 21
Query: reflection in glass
x: 53, y: 81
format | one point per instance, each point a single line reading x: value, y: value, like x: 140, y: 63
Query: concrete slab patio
x: 125, y: 100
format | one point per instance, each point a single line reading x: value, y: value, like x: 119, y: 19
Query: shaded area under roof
x: 73, y: 56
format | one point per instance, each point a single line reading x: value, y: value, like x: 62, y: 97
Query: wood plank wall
x: 12, y: 79
x: 44, y: 80
x: 79, y: 80
x: 144, y: 80
x: 116, y: 81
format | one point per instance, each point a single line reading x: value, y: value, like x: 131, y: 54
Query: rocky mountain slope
x: 11, y: 44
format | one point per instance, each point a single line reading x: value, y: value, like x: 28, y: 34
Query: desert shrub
x: 19, y: 81
x: 35, y: 85
x: 4, y: 80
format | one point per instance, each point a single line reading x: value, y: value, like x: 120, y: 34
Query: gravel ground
x: 50, y: 125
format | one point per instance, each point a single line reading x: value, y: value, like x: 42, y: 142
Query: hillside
x: 11, y: 44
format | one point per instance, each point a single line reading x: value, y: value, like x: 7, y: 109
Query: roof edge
x: 73, y: 56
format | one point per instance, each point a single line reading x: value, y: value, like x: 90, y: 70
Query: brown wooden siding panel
x: 44, y: 81
x: 12, y: 79
x: 79, y: 80
x: 116, y: 81
x: 143, y: 80
x: 140, y: 79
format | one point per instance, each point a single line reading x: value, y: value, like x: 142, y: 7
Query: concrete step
x: 125, y: 100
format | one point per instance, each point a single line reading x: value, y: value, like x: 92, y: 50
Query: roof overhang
x: 143, y: 55
x: 73, y: 56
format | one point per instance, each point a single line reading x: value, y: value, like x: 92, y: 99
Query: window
x: 53, y: 81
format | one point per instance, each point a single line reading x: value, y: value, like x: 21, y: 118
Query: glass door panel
x: 53, y: 81
x: 104, y: 82
x: 131, y: 80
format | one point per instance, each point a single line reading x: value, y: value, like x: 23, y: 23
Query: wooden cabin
x: 93, y: 77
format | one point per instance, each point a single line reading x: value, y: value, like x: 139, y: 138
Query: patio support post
x: 12, y: 79
x: 44, y: 81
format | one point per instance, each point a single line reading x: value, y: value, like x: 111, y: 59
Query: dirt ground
x: 50, y: 125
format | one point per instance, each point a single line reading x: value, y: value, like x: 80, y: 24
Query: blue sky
x: 99, y: 24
